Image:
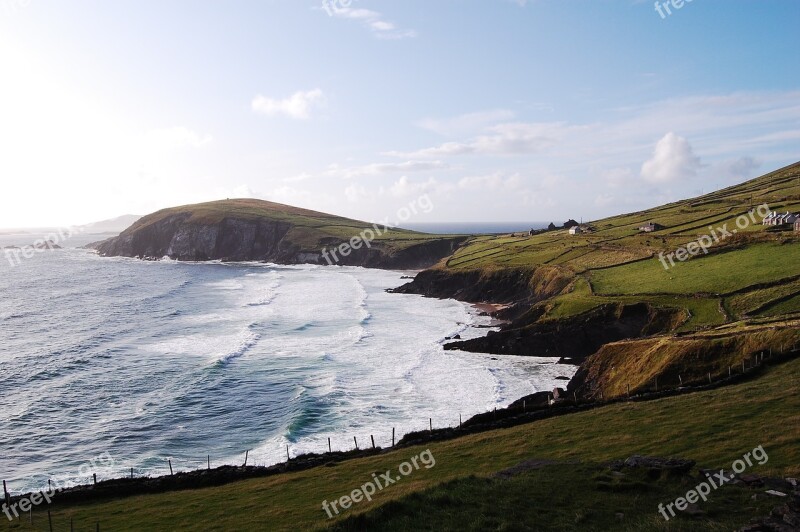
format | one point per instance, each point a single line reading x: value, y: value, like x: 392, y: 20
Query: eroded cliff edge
x: 253, y: 230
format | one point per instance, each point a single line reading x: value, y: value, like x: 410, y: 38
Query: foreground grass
x: 714, y: 427
x: 546, y: 499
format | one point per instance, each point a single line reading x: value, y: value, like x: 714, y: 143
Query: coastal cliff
x: 255, y: 230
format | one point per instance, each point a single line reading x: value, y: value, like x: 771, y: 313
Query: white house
x: 575, y: 230
x: 777, y: 218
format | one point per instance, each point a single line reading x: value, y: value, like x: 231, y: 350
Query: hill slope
x: 572, y: 294
x: 249, y: 229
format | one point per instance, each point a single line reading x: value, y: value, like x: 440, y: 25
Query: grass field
x: 720, y: 273
x: 713, y: 427
x: 614, y: 262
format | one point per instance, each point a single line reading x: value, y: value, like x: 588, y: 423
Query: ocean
x: 145, y: 362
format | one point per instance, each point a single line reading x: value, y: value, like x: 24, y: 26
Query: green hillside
x: 310, y: 229
x: 751, y: 272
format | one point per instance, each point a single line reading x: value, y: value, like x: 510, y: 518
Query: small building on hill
x: 575, y: 230
x: 569, y: 224
x: 778, y: 218
x: 551, y: 226
x: 650, y: 227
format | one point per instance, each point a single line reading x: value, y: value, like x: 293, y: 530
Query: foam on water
x: 157, y: 360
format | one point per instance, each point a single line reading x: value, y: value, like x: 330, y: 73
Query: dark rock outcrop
x: 521, y: 286
x: 650, y: 463
x: 575, y: 338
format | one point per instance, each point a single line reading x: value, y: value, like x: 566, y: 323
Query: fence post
x: 329, y: 446
x: 247, y: 454
x: 356, y: 442
x: 94, y: 476
x: 392, y: 436
x: 459, y: 420
x: 430, y: 423
x: 170, y: 467
x: 288, y: 458
x: 373, y: 440
x: 208, y: 461
x: 131, y: 472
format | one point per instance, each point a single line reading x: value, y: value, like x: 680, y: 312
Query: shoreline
x: 490, y: 309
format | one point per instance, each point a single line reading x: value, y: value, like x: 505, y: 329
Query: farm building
x: 569, y: 224
x: 650, y: 227
x: 575, y: 230
x: 777, y: 218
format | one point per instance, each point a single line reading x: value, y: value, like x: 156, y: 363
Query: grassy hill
x: 754, y: 272
x: 597, y: 296
x: 309, y: 228
x: 250, y: 229
x: 714, y: 428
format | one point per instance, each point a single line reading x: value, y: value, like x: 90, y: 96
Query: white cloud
x: 403, y: 187
x: 298, y: 105
x: 504, y: 139
x: 355, y: 192
x: 373, y: 169
x: 176, y: 137
x: 739, y: 169
x: 465, y: 124
x: 495, y: 181
x: 371, y: 19
x: 618, y: 177
x: 673, y: 160
x: 604, y: 200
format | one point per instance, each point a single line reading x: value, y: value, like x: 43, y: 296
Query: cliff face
x: 574, y: 338
x: 511, y: 285
x: 181, y: 236
x: 173, y: 237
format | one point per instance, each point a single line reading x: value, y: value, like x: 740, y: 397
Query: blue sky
x: 499, y: 110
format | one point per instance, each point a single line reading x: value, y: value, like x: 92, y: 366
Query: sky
x: 497, y: 110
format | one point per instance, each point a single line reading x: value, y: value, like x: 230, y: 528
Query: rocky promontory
x: 256, y: 230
